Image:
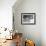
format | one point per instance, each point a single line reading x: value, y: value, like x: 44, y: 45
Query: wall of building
x: 43, y: 22
x: 32, y: 32
x: 6, y: 13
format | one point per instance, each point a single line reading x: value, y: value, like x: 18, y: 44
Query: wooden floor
x: 9, y: 43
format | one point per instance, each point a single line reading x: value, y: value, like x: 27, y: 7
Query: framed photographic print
x: 28, y: 18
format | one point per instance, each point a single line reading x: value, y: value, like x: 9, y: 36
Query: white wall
x: 43, y: 22
x: 30, y: 31
x: 6, y: 13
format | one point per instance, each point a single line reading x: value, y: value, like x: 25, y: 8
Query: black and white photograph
x: 28, y: 18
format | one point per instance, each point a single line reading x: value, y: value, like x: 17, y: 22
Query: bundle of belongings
x: 29, y: 43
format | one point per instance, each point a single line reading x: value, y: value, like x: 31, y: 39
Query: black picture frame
x: 28, y: 18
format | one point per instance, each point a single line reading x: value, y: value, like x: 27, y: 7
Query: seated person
x: 18, y: 39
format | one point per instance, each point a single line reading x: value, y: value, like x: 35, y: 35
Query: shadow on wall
x: 17, y: 4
